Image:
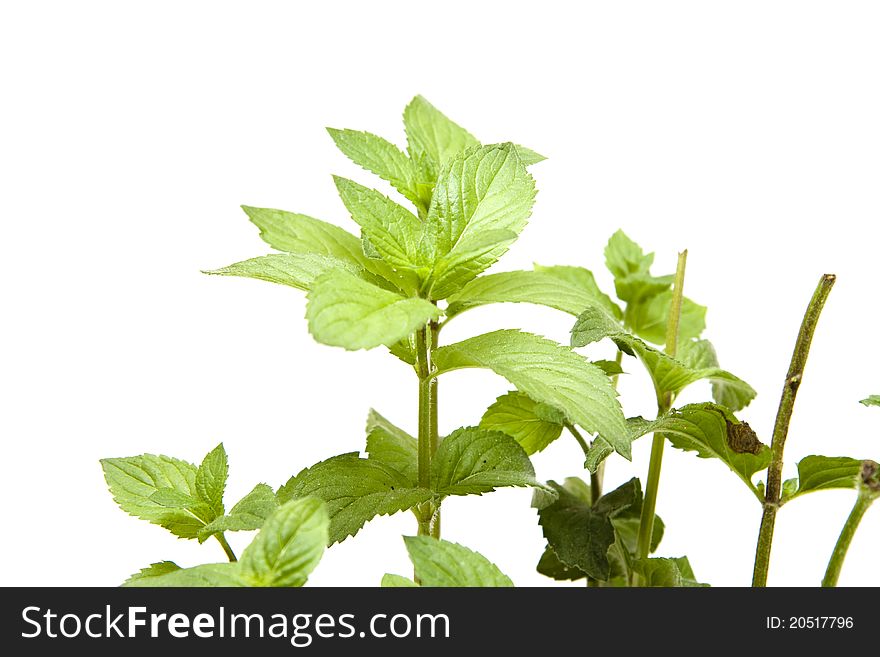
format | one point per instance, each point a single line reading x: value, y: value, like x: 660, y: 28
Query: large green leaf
x: 392, y: 230
x: 289, y: 545
x: 441, y: 563
x: 298, y: 270
x: 668, y: 374
x: 549, y: 373
x: 346, y: 311
x: 381, y: 157
x: 391, y: 445
x: 158, y: 489
x: 248, y: 514
x: 823, y: 472
x: 537, y: 287
x: 472, y: 461
x: 584, y: 280
x: 521, y: 417
x: 482, y: 200
x: 356, y: 490
x: 712, y: 431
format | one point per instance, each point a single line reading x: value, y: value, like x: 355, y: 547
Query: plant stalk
x: 832, y: 573
x: 664, y: 403
x: 426, y: 339
x: 790, y: 388
x: 226, y: 547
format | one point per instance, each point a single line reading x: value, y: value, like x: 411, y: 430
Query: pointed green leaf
x: 211, y: 479
x: 391, y: 229
x: 528, y: 156
x: 293, y: 269
x: 872, y: 400
x: 516, y: 415
x: 134, y: 481
x: 712, y: 431
x: 207, y: 575
x: 549, y: 373
x: 153, y: 570
x: 289, y: 545
x: 481, y: 190
x: 247, y: 515
x: 584, y: 280
x: 397, y: 581
x: 355, y: 490
x: 624, y: 257
x: 473, y: 461
x: 441, y: 563
x: 700, y: 355
x: 391, y: 445
x: 638, y: 288
x: 668, y: 374
x: 537, y: 287
x: 345, y: 311
x: 432, y: 137
x: 823, y: 472
x: 380, y: 157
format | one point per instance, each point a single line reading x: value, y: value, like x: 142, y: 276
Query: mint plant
x: 397, y: 284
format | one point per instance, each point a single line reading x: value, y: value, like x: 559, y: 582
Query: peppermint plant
x: 396, y: 282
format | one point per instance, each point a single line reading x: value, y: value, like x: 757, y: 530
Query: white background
x: 747, y: 132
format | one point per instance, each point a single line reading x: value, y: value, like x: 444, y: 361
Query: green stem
x: 664, y: 403
x: 226, y: 547
x: 426, y: 340
x: 832, y: 573
x: 790, y: 388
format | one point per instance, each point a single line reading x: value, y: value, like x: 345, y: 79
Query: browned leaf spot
x: 870, y: 475
x: 742, y: 439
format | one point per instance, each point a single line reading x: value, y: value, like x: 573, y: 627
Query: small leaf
x: 822, y: 472
x: 134, y: 480
x: 397, y: 581
x: 380, y: 157
x: 293, y: 269
x: 872, y: 400
x: 548, y: 373
x: 550, y: 566
x: 516, y: 414
x: 153, y: 570
x: 473, y: 461
x: 345, y: 311
x: 537, y: 287
x: 289, y: 545
x: 648, y: 319
x: 528, y: 156
x: 391, y: 445
x: 247, y: 515
x: 207, y: 575
x: 624, y: 257
x: 433, y: 138
x: 355, y: 490
x: 211, y: 479
x: 391, y: 229
x: 441, y: 563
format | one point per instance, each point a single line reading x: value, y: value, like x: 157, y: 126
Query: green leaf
x: 712, y: 431
x: 823, y: 472
x: 355, y: 490
x: 382, y: 158
x: 668, y: 374
x: 663, y: 572
x: 516, y: 415
x: 133, y: 481
x: 207, y: 575
x: 473, y: 461
x: 299, y: 233
x: 153, y: 570
x: 247, y: 515
x: 397, y: 581
x: 391, y: 445
x: 537, y: 287
x: 578, y: 535
x: 391, y: 229
x: 648, y: 319
x: 298, y: 270
x: 345, y: 311
x: 550, y: 566
x: 872, y: 400
x: 585, y: 281
x: 624, y: 257
x: 479, y: 192
x: 528, y: 156
x: 441, y: 563
x: 700, y: 355
x: 548, y: 373
x: 289, y: 545
x: 638, y: 288
x: 433, y: 138
x: 211, y: 479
